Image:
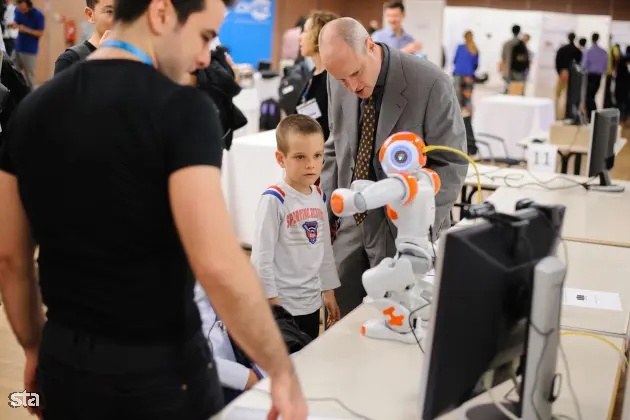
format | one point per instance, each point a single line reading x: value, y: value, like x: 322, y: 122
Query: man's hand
x: 30, y: 381
x: 331, y: 307
x: 286, y: 398
x: 12, y: 25
x: 412, y: 47
x: 251, y: 380
x: 275, y: 301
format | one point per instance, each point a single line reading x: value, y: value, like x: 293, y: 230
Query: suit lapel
x: 393, y: 103
x: 350, y: 110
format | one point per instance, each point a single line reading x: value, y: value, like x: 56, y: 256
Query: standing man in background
x: 373, y: 92
x: 395, y: 36
x: 514, y: 59
x: 29, y: 21
x: 565, y: 57
x: 99, y: 13
x: 595, y: 64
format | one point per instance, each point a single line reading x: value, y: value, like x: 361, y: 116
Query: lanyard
x: 122, y: 45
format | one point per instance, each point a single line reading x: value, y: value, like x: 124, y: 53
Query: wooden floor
x: 12, y: 357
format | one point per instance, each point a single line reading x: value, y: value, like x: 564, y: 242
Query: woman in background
x: 466, y: 62
x: 314, y: 98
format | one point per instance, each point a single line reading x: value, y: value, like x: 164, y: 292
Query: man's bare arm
x: 222, y: 268
x: 18, y: 286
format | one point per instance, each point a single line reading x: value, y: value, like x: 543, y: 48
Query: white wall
x: 423, y: 21
x: 620, y: 32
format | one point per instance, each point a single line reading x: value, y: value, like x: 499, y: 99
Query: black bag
x: 520, y: 58
x: 81, y: 50
x: 294, y: 338
x: 269, y: 114
x: 12, y: 78
x: 291, y: 86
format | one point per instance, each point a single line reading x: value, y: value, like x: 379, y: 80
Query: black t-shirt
x: 69, y: 57
x: 317, y: 90
x: 93, y: 149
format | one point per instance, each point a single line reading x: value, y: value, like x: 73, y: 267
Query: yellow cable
x: 427, y: 149
x: 599, y: 337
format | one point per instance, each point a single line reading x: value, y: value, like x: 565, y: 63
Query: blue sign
x: 248, y: 31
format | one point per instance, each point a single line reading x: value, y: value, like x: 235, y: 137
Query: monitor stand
x: 540, y: 378
x: 605, y: 184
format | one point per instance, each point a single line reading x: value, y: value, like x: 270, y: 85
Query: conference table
x: 381, y: 379
x: 591, y: 216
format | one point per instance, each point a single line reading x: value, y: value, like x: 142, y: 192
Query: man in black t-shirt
x: 123, y: 216
x: 99, y: 13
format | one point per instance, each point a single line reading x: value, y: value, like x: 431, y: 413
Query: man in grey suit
x: 373, y: 92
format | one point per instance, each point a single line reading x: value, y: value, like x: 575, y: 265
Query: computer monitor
x: 576, y: 93
x: 601, y: 150
x: 496, y: 281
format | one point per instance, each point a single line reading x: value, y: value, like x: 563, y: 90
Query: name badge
x: 309, y: 108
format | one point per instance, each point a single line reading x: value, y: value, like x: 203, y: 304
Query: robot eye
x: 401, y: 156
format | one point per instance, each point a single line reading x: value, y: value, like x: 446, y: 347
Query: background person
x: 565, y: 57
x: 127, y: 220
x: 314, y: 97
x: 100, y: 13
x: 395, y: 36
x: 29, y: 21
x: 595, y: 64
x: 466, y: 62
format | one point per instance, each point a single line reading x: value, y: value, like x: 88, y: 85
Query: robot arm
x: 372, y: 195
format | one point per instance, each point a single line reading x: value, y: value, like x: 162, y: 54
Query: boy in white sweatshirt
x: 292, y: 249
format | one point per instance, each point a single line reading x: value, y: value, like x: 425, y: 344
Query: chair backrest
x: 470, y: 136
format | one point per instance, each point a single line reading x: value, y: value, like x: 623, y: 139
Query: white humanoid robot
x: 397, y: 285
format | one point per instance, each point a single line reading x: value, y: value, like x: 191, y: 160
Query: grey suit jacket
x: 418, y: 97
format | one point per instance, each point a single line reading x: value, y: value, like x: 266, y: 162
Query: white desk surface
x: 591, y: 216
x: 544, y: 136
x: 381, y: 379
x: 493, y: 177
x: 600, y: 268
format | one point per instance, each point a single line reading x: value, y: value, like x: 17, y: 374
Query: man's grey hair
x: 351, y: 31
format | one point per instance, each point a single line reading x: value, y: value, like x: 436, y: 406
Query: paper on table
x: 592, y: 299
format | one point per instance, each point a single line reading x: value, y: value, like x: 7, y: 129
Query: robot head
x: 402, y: 152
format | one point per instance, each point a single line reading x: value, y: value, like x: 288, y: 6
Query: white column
x: 423, y: 21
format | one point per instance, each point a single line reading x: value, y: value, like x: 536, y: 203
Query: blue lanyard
x: 122, y: 45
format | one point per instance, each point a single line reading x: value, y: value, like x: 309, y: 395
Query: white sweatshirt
x: 291, y: 250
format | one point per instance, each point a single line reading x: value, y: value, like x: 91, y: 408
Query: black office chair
x: 473, y: 140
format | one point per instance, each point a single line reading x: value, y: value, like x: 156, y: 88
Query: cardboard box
x: 578, y: 137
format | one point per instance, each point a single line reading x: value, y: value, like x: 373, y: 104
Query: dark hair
x: 128, y: 11
x: 571, y: 37
x: 582, y: 42
x: 516, y: 30
x: 295, y: 124
x: 595, y: 37
x: 29, y: 3
x: 395, y: 5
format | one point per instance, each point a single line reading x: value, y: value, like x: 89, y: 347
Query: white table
x: 512, y: 118
x: 381, y: 379
x: 567, y: 151
x: 591, y: 216
x: 252, y: 167
x: 249, y: 103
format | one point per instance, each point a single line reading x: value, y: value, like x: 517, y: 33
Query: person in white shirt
x: 292, y: 250
x: 234, y: 376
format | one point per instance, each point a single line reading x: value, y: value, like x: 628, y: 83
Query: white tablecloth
x: 251, y: 168
x: 512, y: 118
x: 249, y: 104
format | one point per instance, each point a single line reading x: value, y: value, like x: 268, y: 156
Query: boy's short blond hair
x: 295, y: 124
